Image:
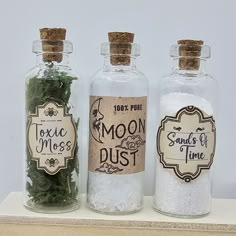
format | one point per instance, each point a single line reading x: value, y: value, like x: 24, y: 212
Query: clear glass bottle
x: 117, y: 128
x: 186, y: 135
x: 52, y: 120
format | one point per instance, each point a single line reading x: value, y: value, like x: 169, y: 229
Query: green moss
x: 59, y: 189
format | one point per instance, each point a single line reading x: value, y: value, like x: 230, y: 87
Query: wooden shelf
x: 18, y: 221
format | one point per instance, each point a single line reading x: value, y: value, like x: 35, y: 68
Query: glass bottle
x: 117, y: 128
x: 52, y: 121
x: 186, y: 136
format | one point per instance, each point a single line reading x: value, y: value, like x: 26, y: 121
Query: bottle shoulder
x: 56, y: 72
x: 119, y: 83
x: 119, y: 76
x: 185, y: 87
x: 187, y: 78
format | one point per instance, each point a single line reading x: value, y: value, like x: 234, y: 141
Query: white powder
x: 172, y: 195
x: 115, y: 193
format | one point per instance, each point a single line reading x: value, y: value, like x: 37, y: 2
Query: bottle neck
x: 63, y: 62
x: 119, y: 67
x: 196, y: 69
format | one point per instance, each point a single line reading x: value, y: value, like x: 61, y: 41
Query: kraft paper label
x: 51, y: 137
x: 186, y: 142
x: 117, y: 139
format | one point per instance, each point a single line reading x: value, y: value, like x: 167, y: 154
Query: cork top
x: 190, y: 48
x: 189, y: 53
x: 53, y: 33
x: 120, y: 47
x: 120, y: 37
x: 52, y: 43
x: 190, y: 42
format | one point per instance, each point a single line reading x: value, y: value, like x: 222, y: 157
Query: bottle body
x: 52, y: 121
x: 122, y: 93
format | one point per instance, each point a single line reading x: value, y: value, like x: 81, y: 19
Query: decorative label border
x: 36, y: 114
x: 189, y: 110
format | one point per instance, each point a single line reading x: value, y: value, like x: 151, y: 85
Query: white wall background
x: 157, y: 24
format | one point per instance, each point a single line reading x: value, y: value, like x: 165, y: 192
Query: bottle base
x: 52, y: 209
x: 181, y: 216
x: 107, y: 212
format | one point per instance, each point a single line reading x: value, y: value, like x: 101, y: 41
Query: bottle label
x: 186, y: 142
x: 117, y: 128
x: 51, y: 135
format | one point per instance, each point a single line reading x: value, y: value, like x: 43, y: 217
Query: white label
x: 186, y: 142
x: 51, y: 137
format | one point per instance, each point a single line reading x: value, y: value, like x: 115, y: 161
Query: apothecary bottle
x: 117, y: 129
x: 186, y: 136
x: 52, y: 120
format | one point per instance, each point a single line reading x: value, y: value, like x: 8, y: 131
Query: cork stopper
x: 189, y: 53
x: 120, y: 47
x: 52, y: 43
